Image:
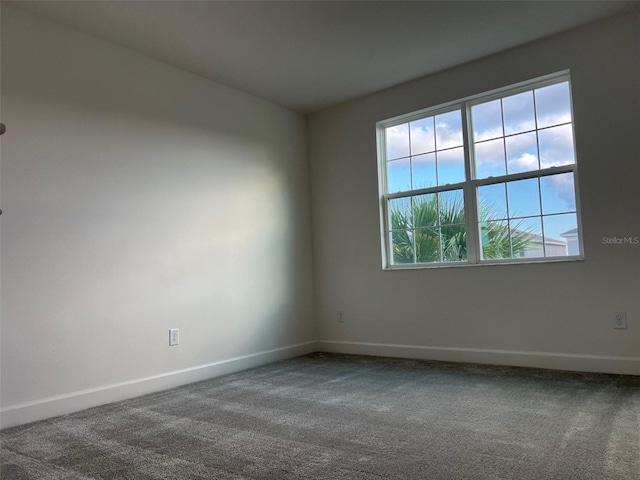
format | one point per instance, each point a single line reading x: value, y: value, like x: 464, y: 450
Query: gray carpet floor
x: 327, y: 416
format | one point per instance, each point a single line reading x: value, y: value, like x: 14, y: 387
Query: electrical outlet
x: 174, y: 336
x: 340, y: 316
x: 620, y: 320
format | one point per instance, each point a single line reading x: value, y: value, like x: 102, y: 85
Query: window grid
x: 416, y: 228
x: 471, y: 184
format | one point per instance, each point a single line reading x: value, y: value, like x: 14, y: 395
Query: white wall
x: 136, y: 198
x: 551, y: 315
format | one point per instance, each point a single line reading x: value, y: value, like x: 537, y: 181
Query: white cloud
x: 397, y: 139
x: 553, y: 105
x: 556, y: 146
x: 453, y: 156
x: 565, y: 189
x: 522, y: 152
x: 422, y: 136
x: 525, y: 162
x: 448, y: 130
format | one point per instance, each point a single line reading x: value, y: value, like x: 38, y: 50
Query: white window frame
x: 470, y: 185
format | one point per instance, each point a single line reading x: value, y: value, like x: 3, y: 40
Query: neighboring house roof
x: 546, y: 240
x: 570, y: 233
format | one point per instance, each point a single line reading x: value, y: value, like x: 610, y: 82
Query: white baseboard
x: 20, y: 414
x: 555, y: 361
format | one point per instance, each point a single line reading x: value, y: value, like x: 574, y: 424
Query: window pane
x: 558, y: 193
x: 553, y: 105
x: 492, y: 202
x: 522, y: 153
x: 562, y: 228
x: 427, y: 244
x: 425, y: 210
x: 451, y: 207
x: 402, y: 246
x: 518, y: 111
x: 448, y: 130
x: 423, y: 136
x: 487, y: 120
x: 400, y: 215
x: 397, y: 139
x: 398, y: 175
x: 451, y: 166
x: 454, y: 243
x: 524, y: 198
x: 526, y: 237
x: 525, y: 209
x: 556, y: 146
x: 424, y: 170
x: 494, y: 240
x: 490, y: 160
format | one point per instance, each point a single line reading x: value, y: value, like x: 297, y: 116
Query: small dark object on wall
x: 2, y: 130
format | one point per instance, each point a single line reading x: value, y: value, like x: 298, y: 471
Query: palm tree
x: 433, y: 227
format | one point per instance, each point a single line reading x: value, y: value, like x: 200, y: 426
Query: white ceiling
x: 308, y: 55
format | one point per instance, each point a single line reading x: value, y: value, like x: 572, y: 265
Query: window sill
x: 493, y: 263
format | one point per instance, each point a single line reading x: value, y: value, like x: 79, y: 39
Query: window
x: 487, y: 179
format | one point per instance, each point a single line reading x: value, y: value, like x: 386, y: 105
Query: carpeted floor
x: 327, y: 416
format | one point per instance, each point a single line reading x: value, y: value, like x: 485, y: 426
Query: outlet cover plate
x: 620, y: 320
x: 174, y: 337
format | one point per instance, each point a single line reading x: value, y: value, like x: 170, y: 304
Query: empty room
x: 356, y: 240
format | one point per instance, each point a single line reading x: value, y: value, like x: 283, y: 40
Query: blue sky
x: 437, y: 148
x: 429, y: 152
